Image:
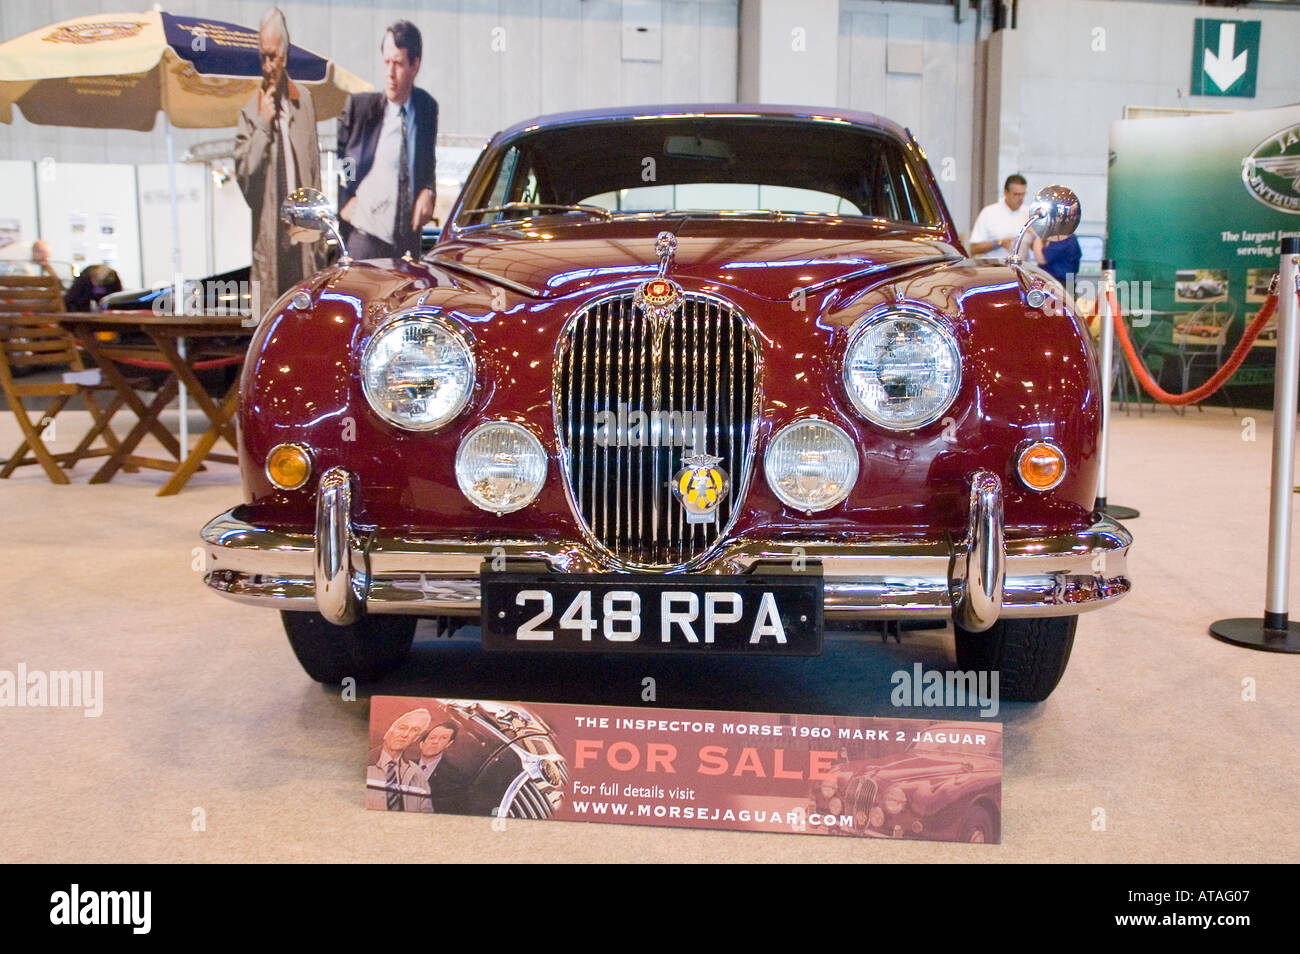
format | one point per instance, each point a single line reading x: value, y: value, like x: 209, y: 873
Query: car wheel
x: 366, y: 649
x: 1030, y: 655
x: 978, y: 827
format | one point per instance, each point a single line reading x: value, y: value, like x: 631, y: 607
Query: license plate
x: 757, y: 614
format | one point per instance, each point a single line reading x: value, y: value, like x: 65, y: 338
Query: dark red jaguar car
x: 699, y: 379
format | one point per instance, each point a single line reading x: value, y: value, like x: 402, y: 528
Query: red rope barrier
x: 1216, y: 381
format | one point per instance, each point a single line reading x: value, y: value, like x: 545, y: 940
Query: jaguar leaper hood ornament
x: 665, y: 248
x: 658, y: 297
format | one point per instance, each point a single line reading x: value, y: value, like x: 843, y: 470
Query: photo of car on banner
x: 936, y: 788
x: 688, y: 379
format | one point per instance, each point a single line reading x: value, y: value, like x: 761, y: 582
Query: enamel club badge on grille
x: 701, y: 486
x: 658, y: 293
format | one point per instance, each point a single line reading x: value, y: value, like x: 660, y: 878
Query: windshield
x: 702, y: 164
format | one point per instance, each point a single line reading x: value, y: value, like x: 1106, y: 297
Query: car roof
x: 661, y: 111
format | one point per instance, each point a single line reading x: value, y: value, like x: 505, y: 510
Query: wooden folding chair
x: 32, y: 339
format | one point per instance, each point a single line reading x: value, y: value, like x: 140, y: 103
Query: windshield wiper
x: 541, y: 207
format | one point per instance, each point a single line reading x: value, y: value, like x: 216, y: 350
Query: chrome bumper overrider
x: 342, y: 570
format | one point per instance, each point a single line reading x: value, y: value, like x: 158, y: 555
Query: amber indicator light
x: 1042, y: 466
x: 288, y: 466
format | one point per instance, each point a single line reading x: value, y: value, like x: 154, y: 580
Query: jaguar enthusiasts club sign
x: 1208, y: 265
x: 687, y: 768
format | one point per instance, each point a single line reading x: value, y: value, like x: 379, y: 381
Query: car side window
x: 502, y: 186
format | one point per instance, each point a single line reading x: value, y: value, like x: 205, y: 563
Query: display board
x: 156, y: 233
x: 88, y: 215
x: 1197, y: 207
x: 17, y: 208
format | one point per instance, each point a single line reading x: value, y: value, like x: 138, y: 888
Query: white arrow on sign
x: 1224, y: 69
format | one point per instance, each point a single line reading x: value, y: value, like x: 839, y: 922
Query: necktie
x: 402, y: 223
x: 394, y: 796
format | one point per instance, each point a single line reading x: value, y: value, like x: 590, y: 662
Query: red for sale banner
x: 688, y: 768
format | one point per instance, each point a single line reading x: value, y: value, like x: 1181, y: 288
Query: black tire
x: 978, y: 827
x: 367, y: 649
x: 445, y: 627
x: 1030, y: 655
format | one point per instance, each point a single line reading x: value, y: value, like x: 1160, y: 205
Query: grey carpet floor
x: 213, y: 746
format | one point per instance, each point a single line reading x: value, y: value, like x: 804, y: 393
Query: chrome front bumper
x: 343, y: 571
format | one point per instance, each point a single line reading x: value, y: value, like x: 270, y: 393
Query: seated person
x: 90, y: 286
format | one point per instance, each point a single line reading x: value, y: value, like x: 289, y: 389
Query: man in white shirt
x: 994, y: 233
x: 386, y: 142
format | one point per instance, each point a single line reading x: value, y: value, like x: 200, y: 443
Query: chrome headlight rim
x: 803, y: 507
x: 508, y: 425
x: 910, y: 312
x: 459, y: 334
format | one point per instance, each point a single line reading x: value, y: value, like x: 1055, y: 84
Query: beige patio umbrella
x: 117, y: 70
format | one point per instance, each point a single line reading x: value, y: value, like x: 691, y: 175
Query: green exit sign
x: 1225, y: 57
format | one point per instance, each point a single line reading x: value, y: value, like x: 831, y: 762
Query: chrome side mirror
x: 309, y: 209
x: 1054, y: 213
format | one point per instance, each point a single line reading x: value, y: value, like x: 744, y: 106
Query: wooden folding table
x: 166, y: 332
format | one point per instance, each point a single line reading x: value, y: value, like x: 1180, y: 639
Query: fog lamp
x: 500, y: 466
x: 811, y: 465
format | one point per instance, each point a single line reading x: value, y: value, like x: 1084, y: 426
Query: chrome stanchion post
x: 1107, y: 359
x: 1276, y: 632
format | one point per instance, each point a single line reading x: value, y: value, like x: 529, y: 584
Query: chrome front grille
x: 698, y: 391
x: 529, y: 802
x: 860, y: 796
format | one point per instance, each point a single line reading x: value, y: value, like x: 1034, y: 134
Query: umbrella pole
x: 178, y: 292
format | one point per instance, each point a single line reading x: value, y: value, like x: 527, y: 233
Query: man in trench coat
x: 278, y: 121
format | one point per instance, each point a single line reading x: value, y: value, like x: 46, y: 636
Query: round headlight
x: 500, y: 466
x: 417, y: 373
x: 895, y: 800
x: 811, y: 465
x: 902, y: 370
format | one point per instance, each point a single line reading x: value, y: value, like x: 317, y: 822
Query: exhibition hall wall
x: 1072, y: 66
x: 983, y: 105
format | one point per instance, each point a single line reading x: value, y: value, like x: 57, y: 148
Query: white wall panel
x: 880, y: 73
x: 18, y: 201
x: 561, y: 83
x: 95, y: 194
x: 153, y: 184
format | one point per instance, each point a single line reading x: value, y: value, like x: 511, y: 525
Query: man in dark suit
x: 386, y: 146
x: 447, y: 783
